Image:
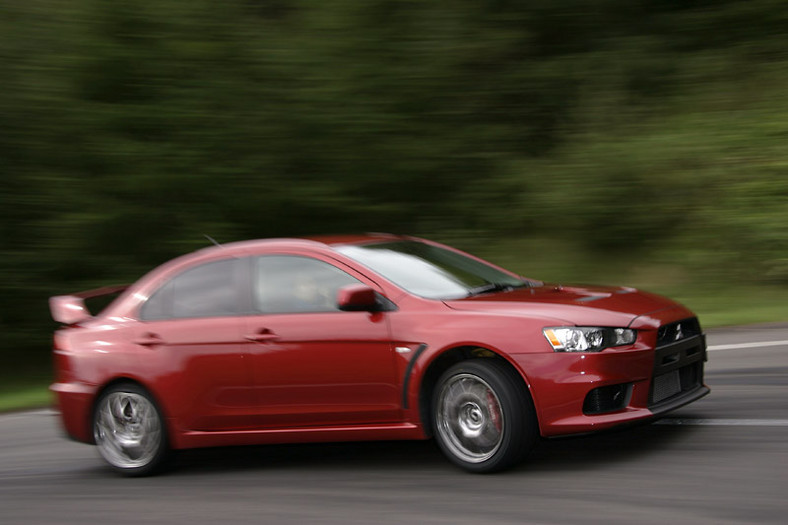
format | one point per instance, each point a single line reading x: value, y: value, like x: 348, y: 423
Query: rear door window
x: 208, y: 290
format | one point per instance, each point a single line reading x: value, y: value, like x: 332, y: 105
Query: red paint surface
x: 267, y: 378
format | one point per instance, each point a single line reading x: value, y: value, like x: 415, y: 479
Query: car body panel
x: 328, y: 368
x: 205, y: 366
x: 327, y: 376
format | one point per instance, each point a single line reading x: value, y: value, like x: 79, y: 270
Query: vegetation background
x: 639, y: 142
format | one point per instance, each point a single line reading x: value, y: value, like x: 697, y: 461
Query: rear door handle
x: 149, y: 340
x: 262, y: 336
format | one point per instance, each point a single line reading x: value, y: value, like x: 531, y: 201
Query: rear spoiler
x: 71, y: 309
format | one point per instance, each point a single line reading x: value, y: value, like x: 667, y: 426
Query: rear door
x: 194, y: 331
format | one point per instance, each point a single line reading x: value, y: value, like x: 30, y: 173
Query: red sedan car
x: 373, y: 337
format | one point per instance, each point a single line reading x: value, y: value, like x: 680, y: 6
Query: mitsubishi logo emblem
x: 679, y: 333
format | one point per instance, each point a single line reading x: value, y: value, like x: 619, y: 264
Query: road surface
x: 721, y: 460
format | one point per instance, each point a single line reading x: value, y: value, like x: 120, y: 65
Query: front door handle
x: 263, y: 336
x: 149, y: 340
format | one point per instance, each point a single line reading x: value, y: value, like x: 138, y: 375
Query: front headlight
x: 588, y: 338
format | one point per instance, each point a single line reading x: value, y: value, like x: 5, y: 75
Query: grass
x: 737, y: 306
x: 34, y: 394
x: 718, y: 300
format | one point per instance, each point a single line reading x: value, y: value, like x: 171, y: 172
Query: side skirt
x: 383, y: 432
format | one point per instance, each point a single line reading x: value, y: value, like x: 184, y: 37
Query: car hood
x: 580, y: 305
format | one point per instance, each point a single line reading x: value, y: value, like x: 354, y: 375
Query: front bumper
x: 641, y: 383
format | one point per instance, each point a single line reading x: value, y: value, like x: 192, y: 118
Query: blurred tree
x: 128, y: 129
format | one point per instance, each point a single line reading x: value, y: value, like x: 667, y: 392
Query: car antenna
x: 211, y: 239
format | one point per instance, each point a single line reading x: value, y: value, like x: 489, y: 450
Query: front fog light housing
x: 587, y: 338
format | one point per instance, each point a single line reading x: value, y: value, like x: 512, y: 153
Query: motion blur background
x: 637, y: 142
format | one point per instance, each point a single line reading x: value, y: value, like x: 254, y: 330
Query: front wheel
x: 483, y: 416
x: 129, y: 431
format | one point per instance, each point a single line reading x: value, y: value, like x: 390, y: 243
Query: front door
x: 314, y: 365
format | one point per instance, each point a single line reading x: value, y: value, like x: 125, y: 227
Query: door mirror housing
x: 358, y: 298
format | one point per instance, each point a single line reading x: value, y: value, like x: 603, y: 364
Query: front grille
x: 670, y: 333
x: 678, y: 362
x: 682, y: 380
x: 665, y: 386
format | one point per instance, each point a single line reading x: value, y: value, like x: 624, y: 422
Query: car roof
x: 314, y: 245
x: 365, y: 238
x: 324, y: 241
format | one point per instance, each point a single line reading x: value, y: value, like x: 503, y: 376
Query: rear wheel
x: 129, y: 430
x: 483, y: 416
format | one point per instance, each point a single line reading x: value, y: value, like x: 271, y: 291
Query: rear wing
x: 71, y: 309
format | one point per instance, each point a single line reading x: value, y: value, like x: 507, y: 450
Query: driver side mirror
x: 358, y: 298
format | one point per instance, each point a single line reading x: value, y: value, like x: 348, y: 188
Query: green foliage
x: 33, y: 395
x: 648, y: 130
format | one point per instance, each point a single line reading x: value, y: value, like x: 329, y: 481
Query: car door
x: 194, y: 331
x: 314, y: 365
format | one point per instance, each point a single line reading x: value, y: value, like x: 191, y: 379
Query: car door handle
x: 262, y: 336
x: 149, y: 340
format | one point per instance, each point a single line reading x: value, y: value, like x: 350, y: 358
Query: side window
x: 208, y: 290
x: 158, y: 305
x: 289, y: 284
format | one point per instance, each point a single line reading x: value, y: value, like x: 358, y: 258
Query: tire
x: 483, y: 417
x: 129, y: 430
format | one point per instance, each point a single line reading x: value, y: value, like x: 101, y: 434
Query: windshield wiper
x: 495, y: 287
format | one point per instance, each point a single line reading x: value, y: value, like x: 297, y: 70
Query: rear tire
x: 483, y: 417
x: 129, y: 430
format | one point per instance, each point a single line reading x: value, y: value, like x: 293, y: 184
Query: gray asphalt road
x: 722, y: 460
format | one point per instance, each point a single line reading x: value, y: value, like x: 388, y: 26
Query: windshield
x: 431, y: 271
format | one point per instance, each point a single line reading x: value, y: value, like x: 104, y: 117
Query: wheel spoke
x: 128, y: 430
x: 470, y: 420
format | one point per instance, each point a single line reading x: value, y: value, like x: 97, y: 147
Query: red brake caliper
x: 495, y: 410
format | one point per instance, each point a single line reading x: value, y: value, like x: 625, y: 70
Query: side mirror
x: 357, y: 298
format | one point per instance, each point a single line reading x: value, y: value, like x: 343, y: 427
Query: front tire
x: 129, y: 430
x: 483, y: 416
